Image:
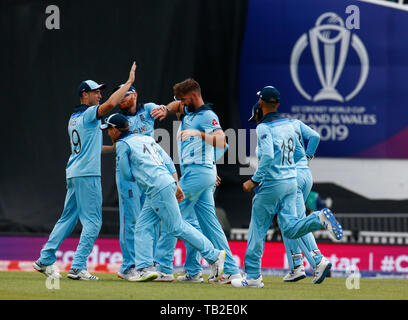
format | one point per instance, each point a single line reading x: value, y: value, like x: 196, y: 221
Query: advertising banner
x: 17, y: 253
x: 340, y: 66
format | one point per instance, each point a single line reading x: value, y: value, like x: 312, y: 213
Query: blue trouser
x: 83, y: 201
x: 131, y: 200
x: 198, y: 208
x: 271, y: 198
x: 163, y: 208
x: 307, y: 243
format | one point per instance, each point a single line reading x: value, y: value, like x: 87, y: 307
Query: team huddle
x: 157, y: 208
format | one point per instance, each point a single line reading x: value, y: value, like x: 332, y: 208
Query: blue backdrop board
x: 341, y: 67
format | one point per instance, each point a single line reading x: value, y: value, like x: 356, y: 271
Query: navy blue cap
x: 254, y: 110
x: 115, y: 120
x: 131, y: 89
x: 269, y: 94
x: 89, y: 85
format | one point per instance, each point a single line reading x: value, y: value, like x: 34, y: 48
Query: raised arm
x: 115, y: 98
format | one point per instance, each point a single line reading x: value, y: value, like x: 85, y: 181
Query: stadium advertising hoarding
x: 340, y: 67
x: 17, y: 253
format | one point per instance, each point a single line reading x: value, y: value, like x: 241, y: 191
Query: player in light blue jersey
x: 199, y: 133
x: 274, y: 183
x: 83, y: 172
x: 142, y: 160
x: 307, y: 243
x: 131, y: 198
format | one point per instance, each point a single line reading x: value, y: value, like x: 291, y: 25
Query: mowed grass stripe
x: 32, y: 285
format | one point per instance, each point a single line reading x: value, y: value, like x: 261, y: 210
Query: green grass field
x: 32, y: 285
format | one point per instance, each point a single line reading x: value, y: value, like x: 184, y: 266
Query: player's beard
x: 191, y: 107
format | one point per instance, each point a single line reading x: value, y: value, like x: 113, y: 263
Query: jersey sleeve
x: 219, y: 152
x: 311, y: 136
x: 122, y: 157
x: 266, y: 152
x: 149, y: 107
x: 209, y: 122
x: 91, y: 116
x: 299, y: 151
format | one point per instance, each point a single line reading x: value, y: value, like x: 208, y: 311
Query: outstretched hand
x: 159, y: 113
x: 132, y: 73
x: 188, y: 133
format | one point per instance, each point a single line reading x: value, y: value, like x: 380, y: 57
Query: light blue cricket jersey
x: 278, y: 149
x: 305, y: 132
x: 141, y: 159
x: 86, y: 142
x: 195, y: 150
x: 141, y: 121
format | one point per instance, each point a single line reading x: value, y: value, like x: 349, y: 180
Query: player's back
x: 86, y: 142
x: 146, y: 163
x: 285, y: 148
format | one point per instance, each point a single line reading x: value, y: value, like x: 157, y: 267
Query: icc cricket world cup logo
x: 330, y: 31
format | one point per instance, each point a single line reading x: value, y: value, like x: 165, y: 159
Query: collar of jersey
x: 271, y: 116
x: 124, y: 134
x: 206, y: 106
x: 81, y: 108
x: 127, y: 114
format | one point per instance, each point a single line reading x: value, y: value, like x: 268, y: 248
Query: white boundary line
x: 387, y: 4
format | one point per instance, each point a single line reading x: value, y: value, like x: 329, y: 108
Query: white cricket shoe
x: 227, y: 278
x: 217, y: 268
x: 48, y: 271
x: 164, y: 277
x: 295, y: 275
x: 248, y: 283
x: 127, y: 276
x: 76, y: 274
x: 321, y: 270
x: 330, y: 223
x: 143, y: 275
x: 197, y: 278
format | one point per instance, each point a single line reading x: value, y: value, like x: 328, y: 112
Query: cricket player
x: 141, y: 159
x: 199, y: 133
x: 307, y: 243
x: 83, y: 173
x: 131, y: 198
x: 274, y: 182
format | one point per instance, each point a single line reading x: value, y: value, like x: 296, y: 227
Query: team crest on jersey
x: 141, y: 116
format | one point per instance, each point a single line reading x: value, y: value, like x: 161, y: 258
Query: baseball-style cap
x: 89, y: 85
x: 254, y: 110
x: 131, y: 89
x: 269, y: 94
x: 115, y: 120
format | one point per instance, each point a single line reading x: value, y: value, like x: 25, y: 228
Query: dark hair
x: 186, y: 87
